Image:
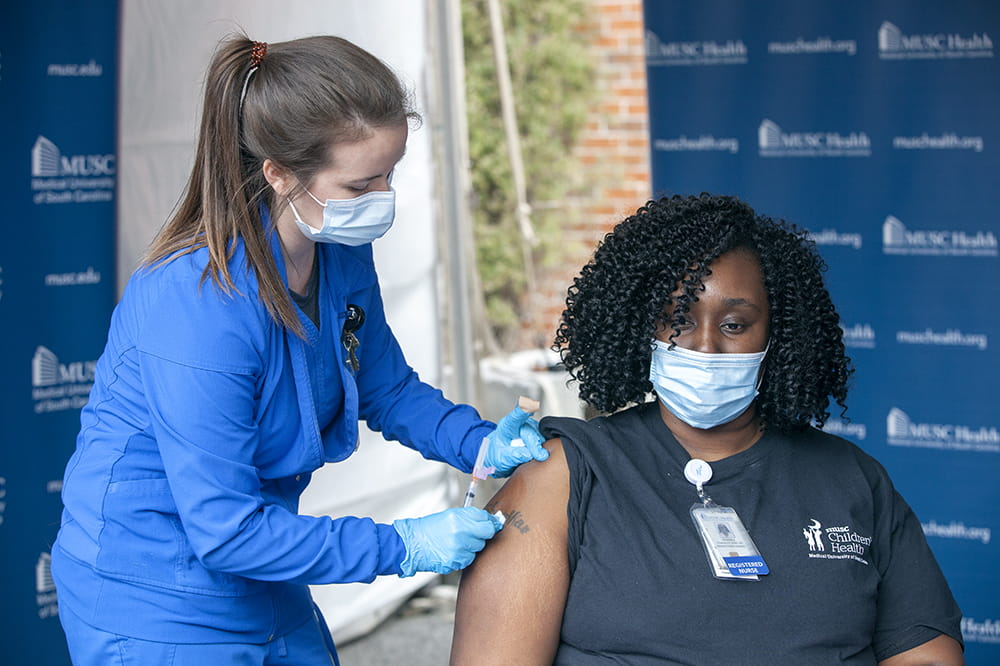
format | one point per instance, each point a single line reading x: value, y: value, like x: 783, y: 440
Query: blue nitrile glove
x: 505, y: 456
x: 446, y: 541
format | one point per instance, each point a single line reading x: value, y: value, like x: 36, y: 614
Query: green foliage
x: 552, y: 78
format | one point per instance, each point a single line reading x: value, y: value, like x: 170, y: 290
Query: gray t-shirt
x: 851, y: 579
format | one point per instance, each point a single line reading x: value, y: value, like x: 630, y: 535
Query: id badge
x: 730, y: 550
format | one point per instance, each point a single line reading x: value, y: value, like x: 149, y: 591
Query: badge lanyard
x: 731, y: 552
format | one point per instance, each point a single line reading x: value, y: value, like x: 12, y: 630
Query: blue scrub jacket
x: 201, y: 432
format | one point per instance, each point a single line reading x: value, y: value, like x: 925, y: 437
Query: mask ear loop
x: 311, y: 195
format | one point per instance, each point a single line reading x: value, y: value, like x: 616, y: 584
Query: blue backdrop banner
x: 874, y: 126
x: 58, y: 65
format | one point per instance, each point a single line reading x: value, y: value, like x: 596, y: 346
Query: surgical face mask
x: 704, y: 390
x: 354, y: 221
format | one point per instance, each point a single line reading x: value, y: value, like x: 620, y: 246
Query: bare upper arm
x: 511, y: 599
x: 940, y: 651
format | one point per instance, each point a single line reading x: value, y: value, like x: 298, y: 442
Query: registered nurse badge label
x: 746, y: 566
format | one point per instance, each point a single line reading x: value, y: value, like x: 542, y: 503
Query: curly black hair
x: 616, y: 304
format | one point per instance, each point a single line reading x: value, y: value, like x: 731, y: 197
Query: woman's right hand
x: 446, y: 541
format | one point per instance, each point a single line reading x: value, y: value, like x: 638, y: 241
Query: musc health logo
x: 772, y: 141
x: 902, y: 431
x: 897, y: 239
x: 893, y: 44
x: 709, y: 52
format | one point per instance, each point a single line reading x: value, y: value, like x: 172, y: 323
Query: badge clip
x: 731, y: 553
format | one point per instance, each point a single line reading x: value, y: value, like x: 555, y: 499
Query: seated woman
x: 779, y: 544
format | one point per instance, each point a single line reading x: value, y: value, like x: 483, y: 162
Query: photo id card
x: 730, y: 550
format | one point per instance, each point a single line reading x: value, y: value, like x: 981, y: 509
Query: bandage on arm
x: 511, y: 599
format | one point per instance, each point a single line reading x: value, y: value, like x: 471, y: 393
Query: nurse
x: 242, y: 356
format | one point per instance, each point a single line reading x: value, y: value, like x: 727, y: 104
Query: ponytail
x: 221, y: 200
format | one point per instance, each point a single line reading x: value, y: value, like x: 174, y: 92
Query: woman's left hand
x: 516, y: 440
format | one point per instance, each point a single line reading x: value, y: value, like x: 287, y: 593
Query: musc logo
x: 46, y: 370
x: 48, y: 162
x: 56, y: 386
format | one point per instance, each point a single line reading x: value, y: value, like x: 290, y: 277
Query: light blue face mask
x: 704, y: 390
x: 356, y: 221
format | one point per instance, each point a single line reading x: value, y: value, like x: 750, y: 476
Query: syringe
x: 479, y: 472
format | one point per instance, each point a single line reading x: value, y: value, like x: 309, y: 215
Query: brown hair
x: 305, y: 96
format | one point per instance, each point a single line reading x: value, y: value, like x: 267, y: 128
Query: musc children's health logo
x: 773, y: 141
x: 694, y: 53
x: 57, y: 178
x: 57, y: 386
x: 839, y: 542
x: 894, y: 44
x: 897, y: 239
x: 901, y: 430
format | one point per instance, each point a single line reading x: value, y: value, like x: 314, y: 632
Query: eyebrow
x: 371, y: 178
x: 731, y: 302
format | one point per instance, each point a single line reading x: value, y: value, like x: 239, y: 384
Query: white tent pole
x: 451, y: 129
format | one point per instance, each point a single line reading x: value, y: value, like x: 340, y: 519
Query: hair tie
x: 257, y: 53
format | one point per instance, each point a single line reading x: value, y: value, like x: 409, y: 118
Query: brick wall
x: 613, y: 157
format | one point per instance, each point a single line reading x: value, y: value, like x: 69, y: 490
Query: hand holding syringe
x: 506, y: 436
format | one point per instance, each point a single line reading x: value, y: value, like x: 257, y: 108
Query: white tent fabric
x: 166, y: 47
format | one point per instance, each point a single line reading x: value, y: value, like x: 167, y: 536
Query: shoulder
x: 825, y: 451
x: 599, y: 427
x: 172, y: 312
x: 602, y: 439
x: 826, y: 444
